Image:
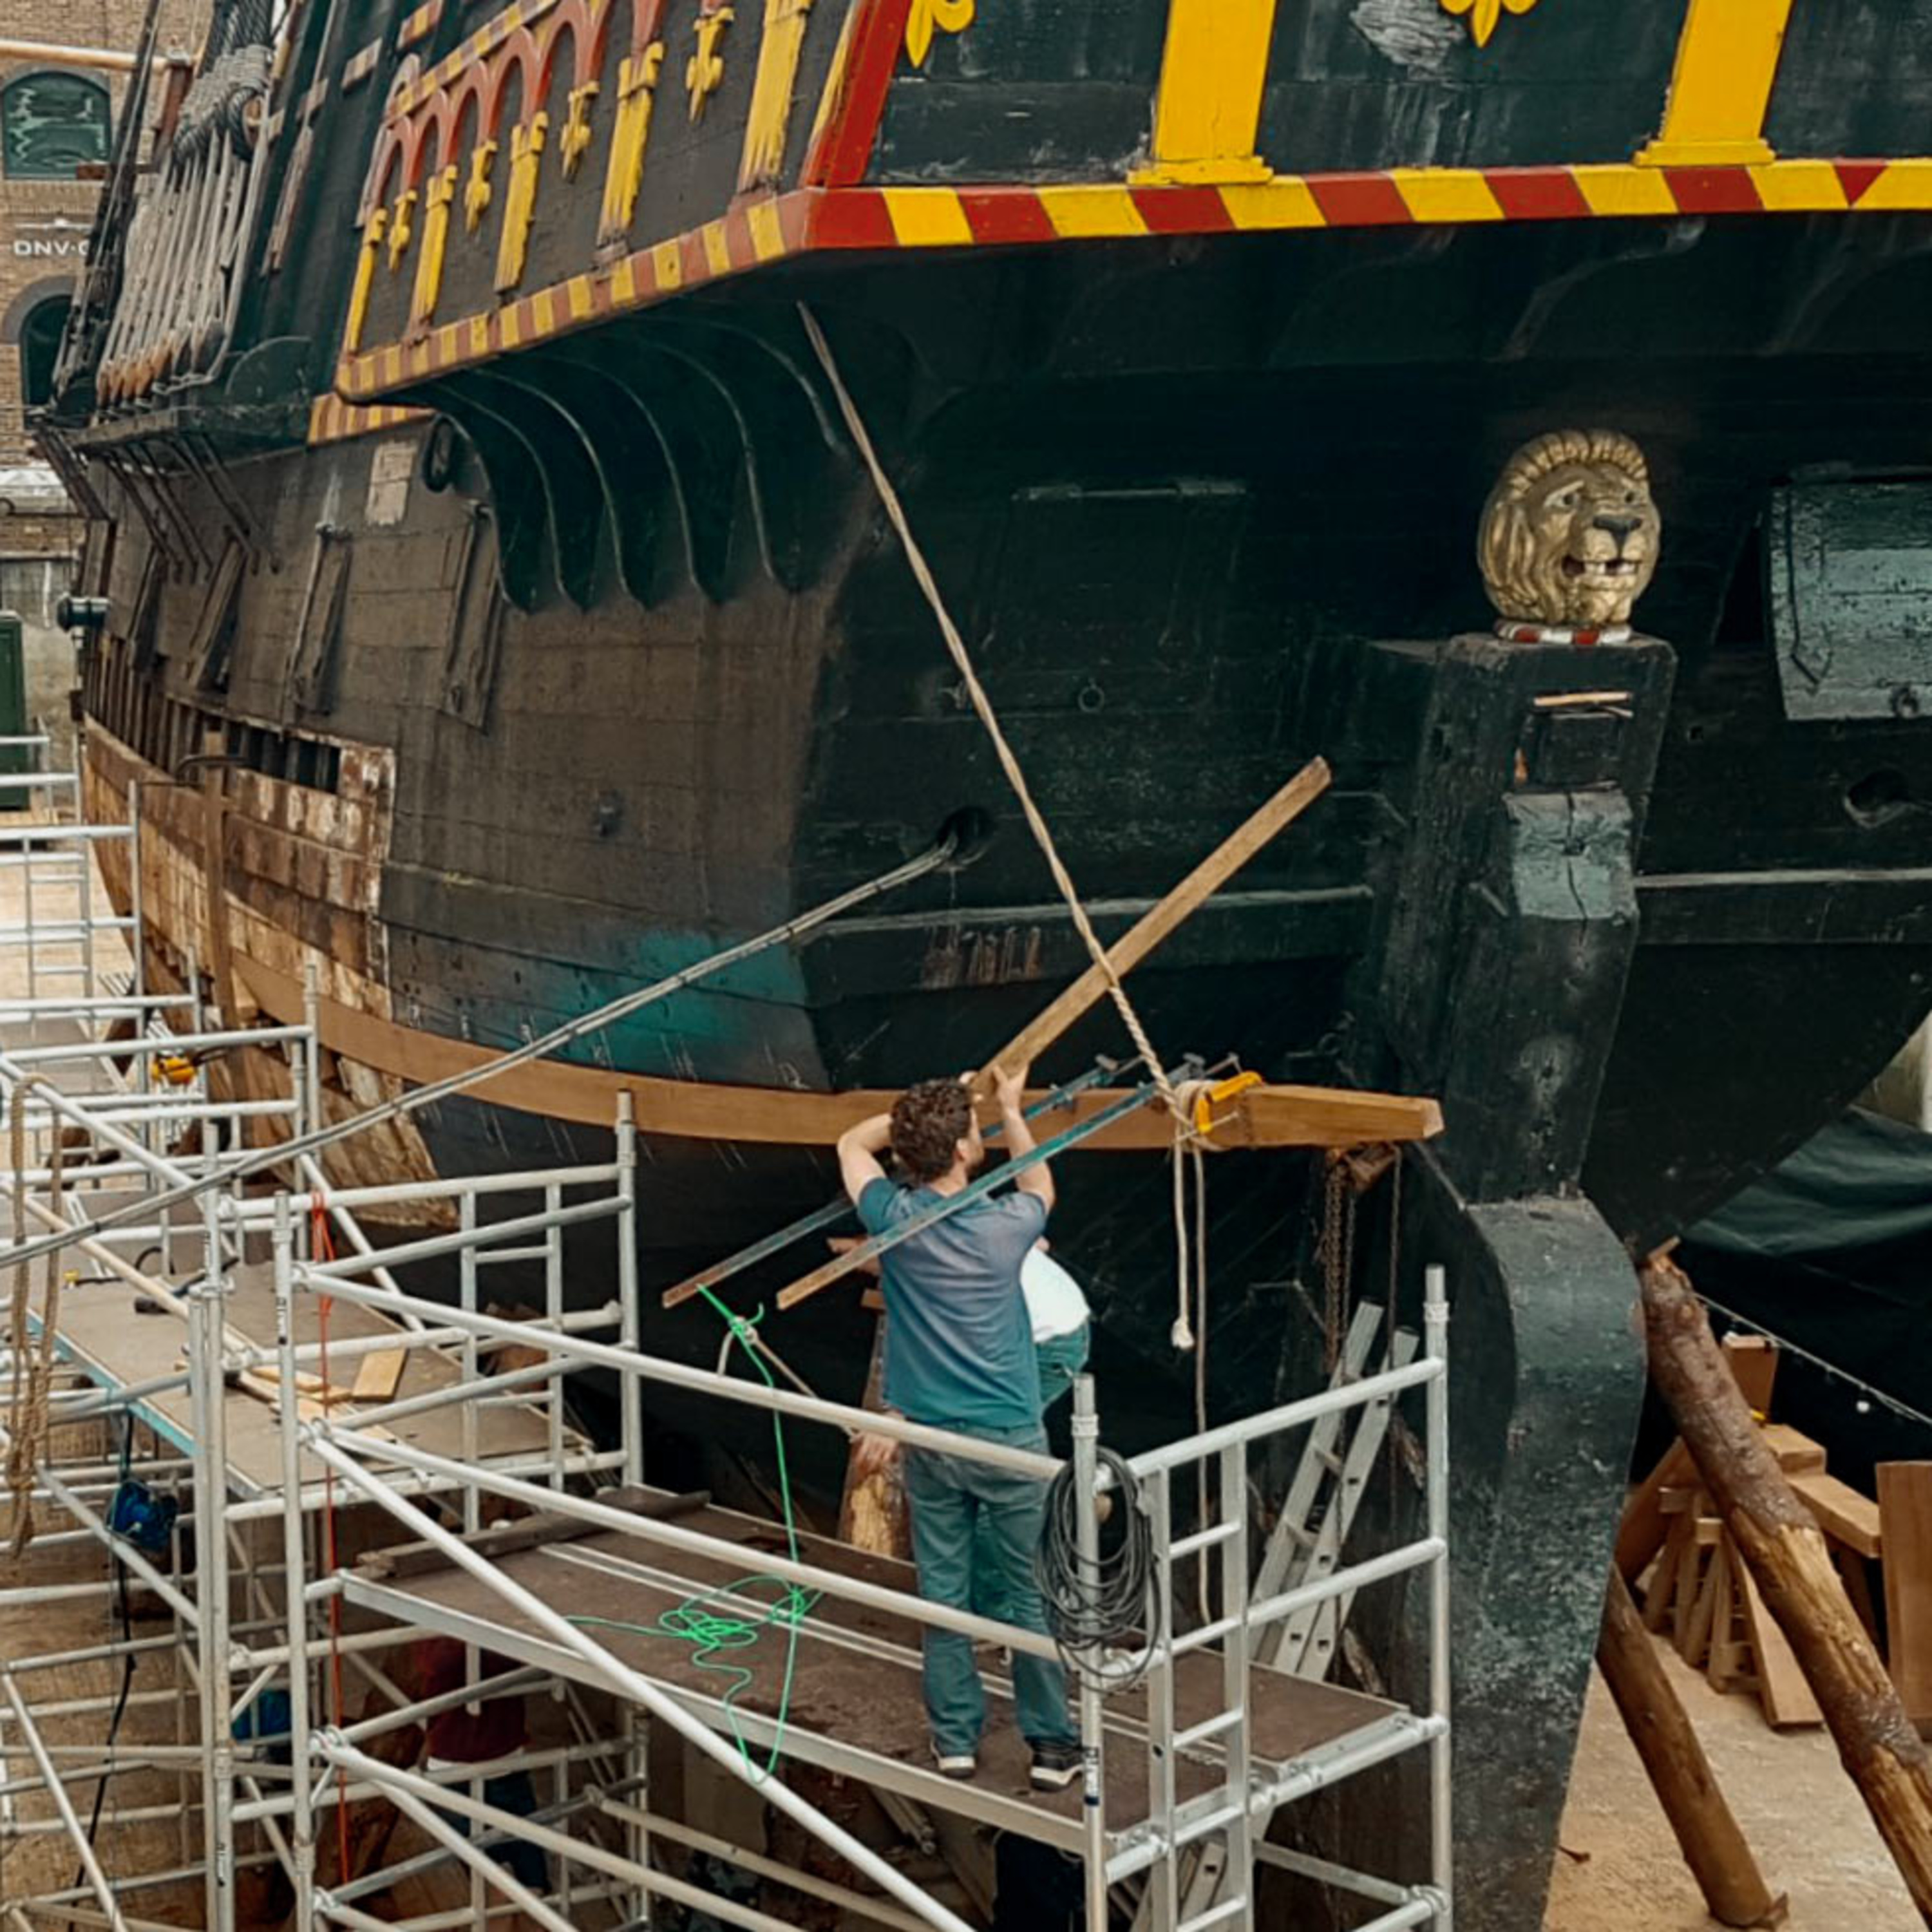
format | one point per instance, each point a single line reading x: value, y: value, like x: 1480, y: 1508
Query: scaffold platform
x: 230, y: 1400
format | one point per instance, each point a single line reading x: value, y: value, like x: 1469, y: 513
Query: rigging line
x: 1009, y: 764
x: 543, y: 1045
x: 1903, y: 1409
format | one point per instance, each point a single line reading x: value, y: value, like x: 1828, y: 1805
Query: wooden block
x: 1905, y: 1510
x: 1754, y: 1367
x: 1842, y: 1513
x: 1781, y: 1686
x: 377, y: 1374
x: 1684, y: 1589
x: 1661, y: 1597
x: 1724, y: 1659
x: 1695, y: 1645
x: 1797, y: 1454
x: 1641, y: 1534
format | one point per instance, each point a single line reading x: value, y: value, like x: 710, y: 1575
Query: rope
x: 28, y: 1405
x: 983, y: 705
x: 718, y: 1622
x: 279, y: 1152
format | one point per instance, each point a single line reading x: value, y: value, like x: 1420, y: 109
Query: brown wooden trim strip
x: 1278, y: 1116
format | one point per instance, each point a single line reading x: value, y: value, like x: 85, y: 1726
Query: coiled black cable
x: 1105, y: 1615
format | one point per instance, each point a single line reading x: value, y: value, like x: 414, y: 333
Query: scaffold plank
x: 856, y: 1704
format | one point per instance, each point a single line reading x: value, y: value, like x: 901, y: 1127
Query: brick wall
x: 43, y: 223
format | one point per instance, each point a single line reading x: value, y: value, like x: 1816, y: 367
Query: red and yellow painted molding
x: 331, y: 419
x: 767, y: 229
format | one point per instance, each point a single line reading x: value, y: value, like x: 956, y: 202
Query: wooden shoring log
x: 1713, y: 1845
x: 1776, y: 1536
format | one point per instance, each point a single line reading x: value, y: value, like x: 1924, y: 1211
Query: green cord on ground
x: 728, y: 1619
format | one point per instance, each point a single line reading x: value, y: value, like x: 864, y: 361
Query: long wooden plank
x: 1843, y: 1513
x: 1160, y: 922
x: 1264, y: 1117
x: 1905, y: 1513
x: 1788, y: 1703
x: 1797, y: 1454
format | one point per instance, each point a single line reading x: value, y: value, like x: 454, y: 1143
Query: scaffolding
x: 243, y: 1393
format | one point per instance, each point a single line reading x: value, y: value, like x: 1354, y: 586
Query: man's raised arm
x: 859, y: 1148
x: 1009, y: 1089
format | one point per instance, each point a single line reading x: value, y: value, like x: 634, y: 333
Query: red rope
x: 323, y: 1246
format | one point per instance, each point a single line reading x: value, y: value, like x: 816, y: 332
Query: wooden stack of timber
x: 1702, y: 1595
x: 1778, y: 1542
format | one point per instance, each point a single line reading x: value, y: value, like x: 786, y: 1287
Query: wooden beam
x: 765, y: 1116
x: 1706, y: 1831
x: 1905, y: 1511
x: 1160, y: 922
x: 1785, y: 1551
x: 1842, y: 1513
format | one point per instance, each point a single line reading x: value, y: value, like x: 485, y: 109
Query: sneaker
x: 1055, y: 1766
x: 959, y: 1765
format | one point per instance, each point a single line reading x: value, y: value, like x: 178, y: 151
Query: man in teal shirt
x: 959, y: 1355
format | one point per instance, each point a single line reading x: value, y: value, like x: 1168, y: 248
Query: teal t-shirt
x: 959, y: 1348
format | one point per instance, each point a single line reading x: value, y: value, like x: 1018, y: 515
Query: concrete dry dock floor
x: 1620, y: 1870
x: 856, y: 1704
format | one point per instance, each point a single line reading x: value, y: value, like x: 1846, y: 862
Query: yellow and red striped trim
x: 766, y: 230
x: 331, y: 419
x: 419, y: 24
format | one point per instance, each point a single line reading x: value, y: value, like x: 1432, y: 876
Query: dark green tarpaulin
x: 1833, y: 1250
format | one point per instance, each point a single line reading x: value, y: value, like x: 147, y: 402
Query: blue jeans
x: 953, y: 1500
x: 1060, y: 1359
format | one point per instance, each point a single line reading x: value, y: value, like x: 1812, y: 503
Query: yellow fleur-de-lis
x: 1484, y: 14
x: 947, y: 16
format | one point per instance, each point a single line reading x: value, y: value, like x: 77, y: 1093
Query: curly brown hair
x: 929, y: 1121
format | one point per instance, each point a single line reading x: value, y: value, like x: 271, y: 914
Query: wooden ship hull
x: 498, y: 616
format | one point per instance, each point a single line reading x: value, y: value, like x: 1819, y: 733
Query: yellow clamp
x: 176, y: 1068
x: 1206, y: 1101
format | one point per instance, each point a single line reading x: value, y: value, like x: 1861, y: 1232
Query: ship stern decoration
x: 876, y: 125
x: 1570, y: 539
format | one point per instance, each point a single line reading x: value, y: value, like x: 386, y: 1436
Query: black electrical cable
x: 1109, y: 1604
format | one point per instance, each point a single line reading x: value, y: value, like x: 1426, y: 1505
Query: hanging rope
x: 1190, y: 1324
x: 33, y: 1368
x: 982, y: 705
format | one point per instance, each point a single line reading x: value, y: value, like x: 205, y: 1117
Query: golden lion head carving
x: 1570, y: 534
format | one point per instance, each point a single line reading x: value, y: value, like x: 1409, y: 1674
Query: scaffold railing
x: 324, y: 1528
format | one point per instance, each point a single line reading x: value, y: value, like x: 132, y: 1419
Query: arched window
x: 39, y: 346
x: 51, y: 124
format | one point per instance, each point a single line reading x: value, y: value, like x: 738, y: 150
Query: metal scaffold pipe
x: 627, y: 1683
x: 544, y: 1045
